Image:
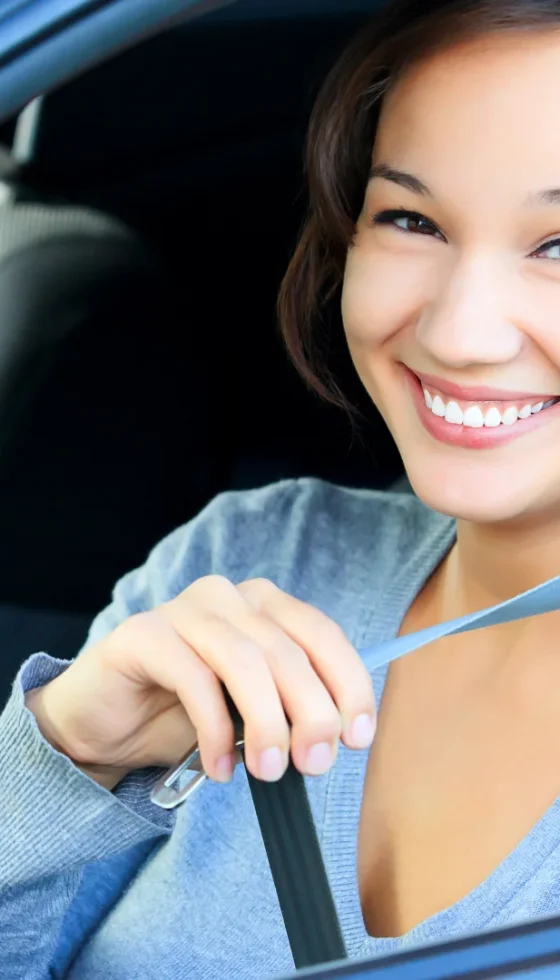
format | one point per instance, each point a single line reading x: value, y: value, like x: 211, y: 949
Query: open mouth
x: 475, y: 415
x: 478, y: 424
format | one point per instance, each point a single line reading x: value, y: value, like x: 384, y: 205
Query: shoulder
x: 285, y: 529
x: 298, y: 533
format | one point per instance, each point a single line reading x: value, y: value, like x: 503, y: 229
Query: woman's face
x: 451, y: 299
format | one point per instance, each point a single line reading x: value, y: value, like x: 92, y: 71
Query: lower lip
x: 469, y: 438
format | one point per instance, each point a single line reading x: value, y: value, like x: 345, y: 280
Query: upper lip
x: 479, y: 393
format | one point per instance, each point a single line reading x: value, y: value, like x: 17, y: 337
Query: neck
x: 494, y: 562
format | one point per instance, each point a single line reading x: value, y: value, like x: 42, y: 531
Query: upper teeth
x: 475, y: 416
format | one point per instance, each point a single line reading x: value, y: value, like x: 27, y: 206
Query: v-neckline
x: 345, y: 789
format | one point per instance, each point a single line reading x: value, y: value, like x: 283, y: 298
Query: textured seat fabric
x: 93, y: 377
x: 96, y: 369
x: 143, y: 235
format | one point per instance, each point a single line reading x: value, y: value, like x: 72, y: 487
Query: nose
x: 467, y: 323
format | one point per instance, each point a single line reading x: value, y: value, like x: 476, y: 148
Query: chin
x: 474, y: 493
x: 509, y: 481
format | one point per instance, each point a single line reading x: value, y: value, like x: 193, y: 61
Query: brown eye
x: 411, y: 222
x: 417, y: 225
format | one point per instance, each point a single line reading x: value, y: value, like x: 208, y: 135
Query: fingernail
x: 225, y: 767
x: 363, y: 731
x: 319, y: 759
x: 271, y: 765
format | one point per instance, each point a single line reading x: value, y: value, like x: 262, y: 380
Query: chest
x: 200, y: 905
x: 461, y: 770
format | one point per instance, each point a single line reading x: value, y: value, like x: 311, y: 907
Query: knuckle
x: 274, y: 730
x: 244, y: 649
x: 257, y: 589
x: 132, y: 631
x: 264, y: 733
x: 360, y: 700
x: 293, y: 657
x: 219, y: 734
x: 207, y: 585
x: 264, y: 719
x: 298, y: 677
x: 362, y: 694
x: 324, y: 722
x: 283, y: 654
x: 332, y: 723
x: 330, y: 634
x: 247, y: 652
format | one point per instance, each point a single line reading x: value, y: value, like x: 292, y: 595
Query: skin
x: 470, y: 726
x: 477, y: 309
x: 149, y: 690
x: 466, y: 727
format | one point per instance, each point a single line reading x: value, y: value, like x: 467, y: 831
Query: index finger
x: 335, y: 661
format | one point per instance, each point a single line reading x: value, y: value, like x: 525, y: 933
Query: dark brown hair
x: 339, y: 148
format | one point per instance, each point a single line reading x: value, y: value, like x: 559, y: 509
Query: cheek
x: 381, y: 295
x: 542, y: 327
x: 533, y: 305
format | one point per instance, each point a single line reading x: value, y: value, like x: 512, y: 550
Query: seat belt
x: 295, y: 859
x: 284, y: 814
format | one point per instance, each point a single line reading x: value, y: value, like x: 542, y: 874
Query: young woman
x: 434, y: 170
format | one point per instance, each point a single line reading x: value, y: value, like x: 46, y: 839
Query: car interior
x: 148, y: 209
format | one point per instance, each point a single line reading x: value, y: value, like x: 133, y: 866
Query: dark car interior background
x: 147, y: 213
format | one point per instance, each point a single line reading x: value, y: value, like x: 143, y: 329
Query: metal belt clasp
x: 171, y: 789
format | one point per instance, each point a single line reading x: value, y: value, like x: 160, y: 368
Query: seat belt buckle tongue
x: 171, y: 789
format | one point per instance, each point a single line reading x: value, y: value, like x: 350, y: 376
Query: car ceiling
x: 45, y: 43
x: 292, y: 9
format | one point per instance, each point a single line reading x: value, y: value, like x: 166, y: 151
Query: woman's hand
x: 152, y: 688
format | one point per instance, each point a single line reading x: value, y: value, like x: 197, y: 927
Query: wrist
x: 107, y: 776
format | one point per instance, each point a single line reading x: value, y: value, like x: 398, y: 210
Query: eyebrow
x: 402, y: 178
x: 549, y: 197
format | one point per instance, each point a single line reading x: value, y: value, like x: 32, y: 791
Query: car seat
x: 99, y: 456
x: 148, y: 212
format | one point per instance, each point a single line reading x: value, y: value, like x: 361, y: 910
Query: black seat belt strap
x: 298, y: 871
x: 296, y: 863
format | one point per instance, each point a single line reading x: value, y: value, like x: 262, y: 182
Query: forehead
x: 487, y: 107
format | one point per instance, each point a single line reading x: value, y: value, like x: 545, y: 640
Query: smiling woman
x: 435, y: 207
x: 462, y: 205
x: 435, y: 221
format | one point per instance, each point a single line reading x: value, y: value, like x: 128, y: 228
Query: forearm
x: 54, y: 821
